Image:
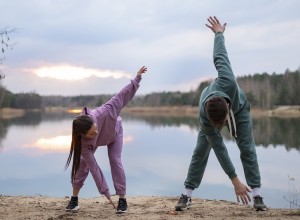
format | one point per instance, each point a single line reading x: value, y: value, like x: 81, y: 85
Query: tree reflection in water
x: 268, y: 131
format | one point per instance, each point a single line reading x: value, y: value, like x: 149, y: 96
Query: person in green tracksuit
x: 223, y: 103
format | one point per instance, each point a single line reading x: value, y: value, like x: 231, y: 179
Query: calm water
x: 156, y: 155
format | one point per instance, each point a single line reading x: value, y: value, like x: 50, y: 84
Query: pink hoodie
x: 108, y: 123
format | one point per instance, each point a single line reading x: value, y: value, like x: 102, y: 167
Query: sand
x: 42, y: 207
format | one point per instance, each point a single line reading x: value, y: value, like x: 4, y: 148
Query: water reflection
x: 277, y: 132
x: 31, y: 119
x: 268, y: 131
x: 157, y: 152
x: 157, y: 120
x: 52, y: 144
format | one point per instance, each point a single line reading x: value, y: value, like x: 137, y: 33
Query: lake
x: 156, y: 155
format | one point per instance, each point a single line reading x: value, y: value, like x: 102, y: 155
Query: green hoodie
x: 224, y: 85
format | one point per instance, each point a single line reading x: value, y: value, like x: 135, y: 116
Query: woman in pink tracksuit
x: 98, y: 127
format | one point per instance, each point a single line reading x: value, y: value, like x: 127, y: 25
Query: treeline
x: 264, y: 91
x: 20, y: 100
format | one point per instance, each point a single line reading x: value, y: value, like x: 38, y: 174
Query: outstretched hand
x: 241, y: 191
x: 142, y: 71
x: 215, y: 25
x: 112, y: 203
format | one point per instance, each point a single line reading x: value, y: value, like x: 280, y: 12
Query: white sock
x: 256, y: 192
x: 188, y: 192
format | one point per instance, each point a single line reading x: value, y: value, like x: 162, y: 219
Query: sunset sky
x: 78, y: 47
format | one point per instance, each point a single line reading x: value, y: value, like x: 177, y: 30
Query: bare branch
x: 5, y: 44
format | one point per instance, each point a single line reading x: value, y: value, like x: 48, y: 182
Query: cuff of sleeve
x: 138, y: 79
x: 219, y: 34
x: 232, y: 175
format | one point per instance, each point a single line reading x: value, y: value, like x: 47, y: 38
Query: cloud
x: 99, y: 38
x: 67, y: 72
x: 128, y: 139
x: 58, y: 144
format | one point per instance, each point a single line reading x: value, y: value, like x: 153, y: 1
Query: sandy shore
x: 282, y: 111
x: 169, y: 111
x: 8, y: 113
x: 41, y: 207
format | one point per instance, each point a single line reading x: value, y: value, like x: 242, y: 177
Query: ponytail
x: 80, y: 127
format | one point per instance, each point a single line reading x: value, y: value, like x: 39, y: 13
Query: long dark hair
x: 217, y: 111
x: 81, y: 125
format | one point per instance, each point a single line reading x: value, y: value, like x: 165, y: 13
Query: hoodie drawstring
x: 233, y: 122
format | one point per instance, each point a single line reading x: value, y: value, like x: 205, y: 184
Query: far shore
x: 168, y: 111
x: 281, y: 111
x: 7, y: 113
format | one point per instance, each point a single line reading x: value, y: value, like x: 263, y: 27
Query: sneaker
x: 122, y: 206
x: 259, y: 204
x: 184, y: 203
x: 73, y: 204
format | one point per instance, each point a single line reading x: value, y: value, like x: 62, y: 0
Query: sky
x: 86, y: 47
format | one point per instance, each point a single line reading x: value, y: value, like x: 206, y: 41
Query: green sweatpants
x: 246, y: 144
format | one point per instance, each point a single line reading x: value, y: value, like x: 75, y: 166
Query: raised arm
x: 220, y: 56
x: 117, y: 102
